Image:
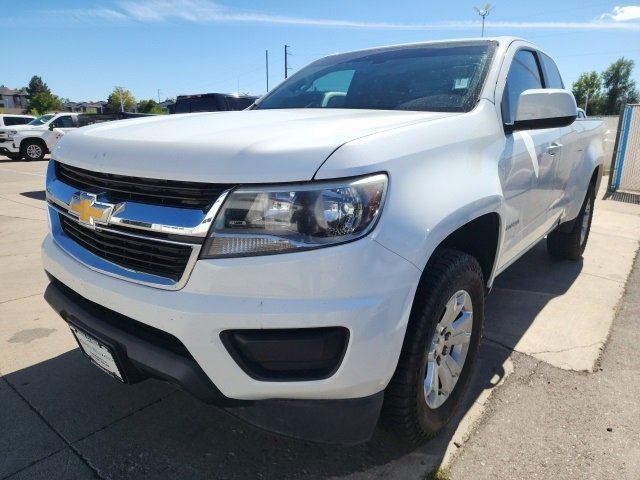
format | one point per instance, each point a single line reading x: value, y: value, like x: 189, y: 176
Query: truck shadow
x: 152, y: 430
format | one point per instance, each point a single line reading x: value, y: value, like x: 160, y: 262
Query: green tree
x: 588, y: 92
x: 36, y: 86
x: 44, y: 102
x: 121, y: 100
x: 619, y: 87
x: 41, y: 100
x: 149, y: 106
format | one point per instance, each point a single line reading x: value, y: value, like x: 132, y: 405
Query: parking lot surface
x: 63, y: 418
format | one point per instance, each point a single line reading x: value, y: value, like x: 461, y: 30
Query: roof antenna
x: 483, y: 12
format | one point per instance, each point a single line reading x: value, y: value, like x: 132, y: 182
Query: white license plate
x: 99, y: 354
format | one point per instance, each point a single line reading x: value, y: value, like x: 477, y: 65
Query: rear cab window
x: 551, y: 73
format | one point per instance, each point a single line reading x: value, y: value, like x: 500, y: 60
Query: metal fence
x: 625, y: 171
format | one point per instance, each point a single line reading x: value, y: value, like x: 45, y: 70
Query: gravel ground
x: 555, y: 424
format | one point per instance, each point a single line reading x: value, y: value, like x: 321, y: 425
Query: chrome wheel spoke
x: 446, y: 379
x: 454, y: 367
x: 452, y: 310
x: 462, y: 324
x: 448, y: 348
x: 459, y: 339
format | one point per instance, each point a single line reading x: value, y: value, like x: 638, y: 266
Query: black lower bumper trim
x: 142, y: 351
x: 146, y: 352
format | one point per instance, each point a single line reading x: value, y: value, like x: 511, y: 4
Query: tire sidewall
x: 434, y: 419
x: 590, y: 200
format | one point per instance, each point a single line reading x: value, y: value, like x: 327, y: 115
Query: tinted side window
x: 551, y: 74
x: 524, y: 74
x: 8, y: 121
x: 63, y: 122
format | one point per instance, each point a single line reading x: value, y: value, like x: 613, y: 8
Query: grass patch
x: 437, y: 474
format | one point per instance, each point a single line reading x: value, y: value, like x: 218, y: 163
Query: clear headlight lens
x: 287, y: 218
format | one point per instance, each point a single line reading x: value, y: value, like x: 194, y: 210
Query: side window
x: 551, y: 74
x: 8, y: 121
x: 524, y: 74
x: 63, y: 122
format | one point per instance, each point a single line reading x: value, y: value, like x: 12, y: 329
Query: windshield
x: 442, y: 77
x: 40, y: 120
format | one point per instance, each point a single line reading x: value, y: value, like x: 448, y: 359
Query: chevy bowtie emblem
x: 89, y: 210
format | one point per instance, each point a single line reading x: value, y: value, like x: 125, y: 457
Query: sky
x: 83, y: 49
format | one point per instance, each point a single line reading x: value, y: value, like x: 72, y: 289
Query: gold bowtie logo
x: 89, y: 210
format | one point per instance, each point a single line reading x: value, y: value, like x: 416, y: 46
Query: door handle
x: 554, y: 148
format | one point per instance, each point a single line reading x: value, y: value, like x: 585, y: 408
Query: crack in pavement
x: 35, y: 462
x: 53, y: 429
x: 562, y: 350
x: 104, y: 427
x: 23, y: 218
x: 21, y: 298
x: 22, y: 203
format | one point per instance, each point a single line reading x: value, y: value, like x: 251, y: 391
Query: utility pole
x: 266, y: 63
x: 158, y: 95
x: 286, y: 60
x: 483, y: 12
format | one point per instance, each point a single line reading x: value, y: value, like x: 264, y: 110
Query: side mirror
x: 545, y: 108
x: 51, y: 126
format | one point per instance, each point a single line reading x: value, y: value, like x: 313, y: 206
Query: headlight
x: 288, y: 218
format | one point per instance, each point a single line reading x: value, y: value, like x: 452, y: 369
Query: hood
x: 250, y: 146
x: 18, y: 127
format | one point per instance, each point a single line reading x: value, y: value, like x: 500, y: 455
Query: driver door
x: 57, y: 128
x: 528, y: 164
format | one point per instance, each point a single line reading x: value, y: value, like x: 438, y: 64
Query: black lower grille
x: 140, y: 254
x: 120, y: 188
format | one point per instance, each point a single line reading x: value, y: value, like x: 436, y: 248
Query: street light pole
x: 286, y: 60
x: 266, y: 62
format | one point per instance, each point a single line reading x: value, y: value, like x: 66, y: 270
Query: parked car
x: 328, y: 251
x: 35, y: 139
x: 212, y: 102
x: 11, y: 120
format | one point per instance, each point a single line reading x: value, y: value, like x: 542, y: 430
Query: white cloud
x: 207, y: 11
x: 623, y: 14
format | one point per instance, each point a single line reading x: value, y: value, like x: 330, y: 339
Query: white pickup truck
x: 322, y: 258
x: 35, y: 139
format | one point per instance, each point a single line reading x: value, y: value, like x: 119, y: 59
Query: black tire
x: 567, y: 241
x: 33, y: 150
x: 405, y: 409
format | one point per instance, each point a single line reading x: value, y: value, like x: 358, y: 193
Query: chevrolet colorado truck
x: 321, y: 260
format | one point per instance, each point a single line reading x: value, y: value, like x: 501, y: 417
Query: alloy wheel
x: 448, y: 349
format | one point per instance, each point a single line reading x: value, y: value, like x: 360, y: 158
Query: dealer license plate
x: 100, y: 354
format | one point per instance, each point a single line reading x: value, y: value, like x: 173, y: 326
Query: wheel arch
x: 35, y: 139
x: 479, y: 238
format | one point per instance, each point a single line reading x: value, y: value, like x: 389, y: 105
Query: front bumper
x: 8, y: 147
x: 360, y: 286
x: 145, y: 352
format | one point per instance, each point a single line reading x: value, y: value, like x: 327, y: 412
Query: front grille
x: 139, y: 254
x: 120, y: 188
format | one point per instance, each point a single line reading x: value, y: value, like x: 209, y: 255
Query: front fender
x: 442, y: 175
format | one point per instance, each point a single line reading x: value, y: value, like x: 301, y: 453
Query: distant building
x: 86, y: 107
x: 167, y: 106
x: 12, y: 101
